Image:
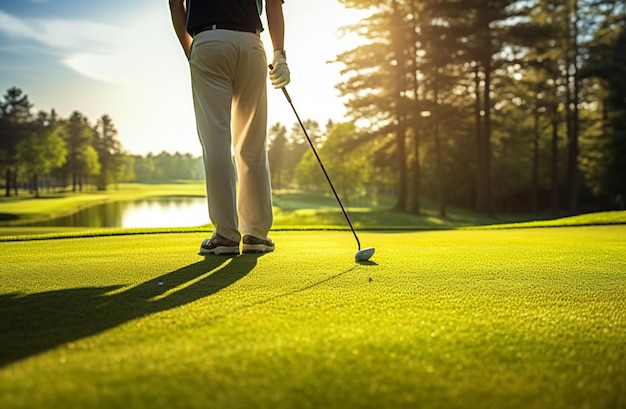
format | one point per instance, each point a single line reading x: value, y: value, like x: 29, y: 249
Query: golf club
x: 361, y: 254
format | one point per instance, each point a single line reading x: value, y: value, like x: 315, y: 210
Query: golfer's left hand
x: 280, y: 75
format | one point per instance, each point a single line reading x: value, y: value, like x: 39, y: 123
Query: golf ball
x: 160, y: 283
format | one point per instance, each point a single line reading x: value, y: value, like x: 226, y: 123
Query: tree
x: 571, y: 20
x: 90, y: 166
x: 608, y: 63
x: 162, y: 167
x: 541, y: 90
x: 482, y: 26
x: 552, y: 47
x: 15, y: 118
x: 109, y: 151
x: 297, y: 139
x: 438, y: 74
x: 126, y: 171
x: 348, y: 171
x: 39, y: 154
x: 277, y: 153
x: 144, y: 168
x: 379, y: 86
x: 413, y: 42
x: 286, y: 151
x: 78, y: 136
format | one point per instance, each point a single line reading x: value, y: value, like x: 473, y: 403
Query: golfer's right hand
x: 280, y: 75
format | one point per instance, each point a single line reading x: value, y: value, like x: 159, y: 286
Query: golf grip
x: 284, y: 89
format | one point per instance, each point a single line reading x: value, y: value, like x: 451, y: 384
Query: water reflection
x: 149, y: 212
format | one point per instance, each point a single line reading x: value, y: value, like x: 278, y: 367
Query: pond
x: 148, y: 212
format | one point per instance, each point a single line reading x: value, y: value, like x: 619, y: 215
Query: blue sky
x: 122, y: 58
x: 68, y: 8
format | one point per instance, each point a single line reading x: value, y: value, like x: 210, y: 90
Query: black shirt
x: 241, y: 15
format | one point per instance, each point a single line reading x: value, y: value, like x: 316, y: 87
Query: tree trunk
x: 483, y: 136
x: 14, y: 181
x: 554, y: 168
x: 402, y: 195
x: 436, y: 118
x: 36, y: 185
x: 417, y: 132
x: 440, y: 172
x: 479, y: 131
x: 486, y: 142
x: 7, y: 179
x: 572, y: 99
x: 417, y: 174
x: 74, y: 176
x: 400, y: 109
x: 535, y: 170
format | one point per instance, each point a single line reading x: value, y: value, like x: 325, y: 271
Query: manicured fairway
x: 519, y: 318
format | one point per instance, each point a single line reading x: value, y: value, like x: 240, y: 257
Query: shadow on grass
x: 5, y: 217
x: 295, y: 291
x: 34, y: 323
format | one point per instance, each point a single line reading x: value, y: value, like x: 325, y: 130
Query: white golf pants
x: 228, y: 76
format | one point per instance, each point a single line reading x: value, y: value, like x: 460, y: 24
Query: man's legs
x: 249, y: 132
x: 213, y: 57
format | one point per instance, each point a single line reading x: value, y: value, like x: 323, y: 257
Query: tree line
x: 490, y: 104
x: 44, y: 151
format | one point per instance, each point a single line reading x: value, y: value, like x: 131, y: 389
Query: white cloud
x: 13, y: 26
x: 74, y: 35
x: 115, y: 54
x: 63, y: 35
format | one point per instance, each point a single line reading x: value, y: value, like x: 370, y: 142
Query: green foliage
x: 167, y: 167
x: 125, y: 171
x: 510, y: 115
x: 109, y: 151
x: 15, y: 126
x: 40, y: 153
x: 81, y: 161
x: 277, y: 155
x: 609, y: 64
x: 349, y: 171
x: 286, y: 151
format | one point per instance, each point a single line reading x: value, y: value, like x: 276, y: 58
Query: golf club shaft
x: 322, y: 166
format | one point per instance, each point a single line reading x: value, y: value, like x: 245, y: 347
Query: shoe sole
x: 257, y: 248
x: 218, y: 251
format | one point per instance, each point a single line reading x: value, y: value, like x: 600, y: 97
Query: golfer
x: 228, y: 76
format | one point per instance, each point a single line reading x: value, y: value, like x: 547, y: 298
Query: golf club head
x: 364, y: 254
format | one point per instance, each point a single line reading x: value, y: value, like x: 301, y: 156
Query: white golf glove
x: 279, y: 75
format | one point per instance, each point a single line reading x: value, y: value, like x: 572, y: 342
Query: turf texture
x: 515, y: 318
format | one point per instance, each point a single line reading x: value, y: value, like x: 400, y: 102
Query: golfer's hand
x: 279, y: 75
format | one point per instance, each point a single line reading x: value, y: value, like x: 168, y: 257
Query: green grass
x: 599, y: 218
x: 509, y: 318
x: 311, y: 210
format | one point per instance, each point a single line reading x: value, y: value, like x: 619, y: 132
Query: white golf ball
x: 160, y: 283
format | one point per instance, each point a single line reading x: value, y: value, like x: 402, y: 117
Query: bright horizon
x: 123, y: 59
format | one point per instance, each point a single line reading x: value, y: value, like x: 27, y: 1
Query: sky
x: 122, y: 58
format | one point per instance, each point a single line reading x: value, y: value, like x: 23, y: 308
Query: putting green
x: 519, y: 318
